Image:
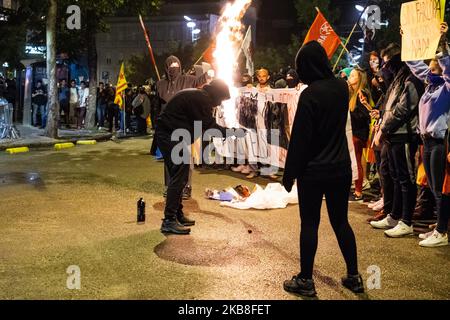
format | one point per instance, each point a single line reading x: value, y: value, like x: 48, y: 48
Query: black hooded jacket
x: 192, y: 105
x: 176, y: 81
x: 318, y: 149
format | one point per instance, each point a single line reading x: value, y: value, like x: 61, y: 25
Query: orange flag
x: 322, y: 32
x: 208, y: 54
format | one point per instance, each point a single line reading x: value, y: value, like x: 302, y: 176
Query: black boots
x: 182, y: 219
x: 174, y: 227
x: 304, y: 287
x: 178, y: 225
x: 354, y: 283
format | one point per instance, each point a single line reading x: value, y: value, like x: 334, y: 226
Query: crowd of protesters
x: 74, y: 102
x: 400, y: 129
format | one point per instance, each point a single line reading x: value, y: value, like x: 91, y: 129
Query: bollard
x: 17, y: 150
x: 60, y: 146
x: 86, y: 142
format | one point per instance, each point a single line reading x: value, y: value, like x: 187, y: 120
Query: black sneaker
x: 183, y: 220
x: 354, y: 198
x: 304, y: 287
x: 172, y: 227
x: 354, y: 283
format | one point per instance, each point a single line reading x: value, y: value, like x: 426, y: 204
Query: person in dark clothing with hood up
x: 181, y: 112
x: 167, y: 88
x: 319, y: 159
x: 292, y: 79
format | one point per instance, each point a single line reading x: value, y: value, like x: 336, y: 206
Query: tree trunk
x: 53, y: 107
x: 92, y: 65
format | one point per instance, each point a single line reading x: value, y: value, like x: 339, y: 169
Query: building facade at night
x: 125, y: 39
x: 167, y: 31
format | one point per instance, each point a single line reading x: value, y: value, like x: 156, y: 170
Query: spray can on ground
x: 141, y: 211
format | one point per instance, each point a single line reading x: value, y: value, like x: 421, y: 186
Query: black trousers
x: 113, y: 116
x: 403, y: 192
x: 386, y: 180
x: 178, y: 176
x: 434, y: 160
x: 141, y: 125
x: 310, y: 196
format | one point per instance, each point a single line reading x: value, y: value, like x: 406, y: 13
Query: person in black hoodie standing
x: 181, y: 112
x: 319, y: 159
x: 166, y: 89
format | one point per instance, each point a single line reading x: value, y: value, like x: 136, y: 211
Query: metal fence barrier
x: 7, y: 129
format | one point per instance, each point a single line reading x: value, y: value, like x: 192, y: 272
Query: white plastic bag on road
x: 274, y: 196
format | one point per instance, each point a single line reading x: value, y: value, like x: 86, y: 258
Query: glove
x: 288, y: 183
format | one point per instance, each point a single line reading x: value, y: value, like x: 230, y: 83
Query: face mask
x: 435, y: 79
x: 173, y: 72
x: 292, y: 83
x: 374, y: 64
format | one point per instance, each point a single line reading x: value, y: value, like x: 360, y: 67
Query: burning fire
x: 228, y: 42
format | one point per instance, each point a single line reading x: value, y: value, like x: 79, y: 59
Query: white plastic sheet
x: 274, y: 196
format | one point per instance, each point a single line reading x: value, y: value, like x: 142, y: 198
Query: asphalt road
x: 77, y: 207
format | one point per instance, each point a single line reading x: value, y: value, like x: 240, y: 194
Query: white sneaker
x: 435, y: 240
x: 238, y: 168
x: 386, y: 223
x: 379, y: 205
x: 400, y: 230
x: 424, y: 236
x: 246, y: 170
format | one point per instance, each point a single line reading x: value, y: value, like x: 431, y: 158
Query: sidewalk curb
x: 51, y: 144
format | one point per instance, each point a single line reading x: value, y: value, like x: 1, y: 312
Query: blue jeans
x: 434, y: 159
x: 101, y: 110
x: 43, y: 111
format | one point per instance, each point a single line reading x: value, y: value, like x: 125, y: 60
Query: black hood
x: 312, y: 63
x: 218, y: 91
x: 292, y: 83
x: 171, y: 75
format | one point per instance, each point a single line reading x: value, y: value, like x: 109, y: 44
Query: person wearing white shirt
x: 84, y: 100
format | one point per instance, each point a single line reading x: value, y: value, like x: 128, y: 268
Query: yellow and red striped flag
x: 122, y: 84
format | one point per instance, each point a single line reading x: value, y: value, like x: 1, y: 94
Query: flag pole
x: 147, y: 39
x: 124, y: 114
x: 344, y: 47
x: 348, y: 39
x: 199, y: 59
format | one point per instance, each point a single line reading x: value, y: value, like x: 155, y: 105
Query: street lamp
x: 359, y: 7
x: 191, y: 25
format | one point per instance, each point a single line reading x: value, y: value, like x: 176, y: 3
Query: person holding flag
x: 122, y: 84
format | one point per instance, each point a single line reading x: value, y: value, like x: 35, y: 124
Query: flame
x: 228, y: 42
